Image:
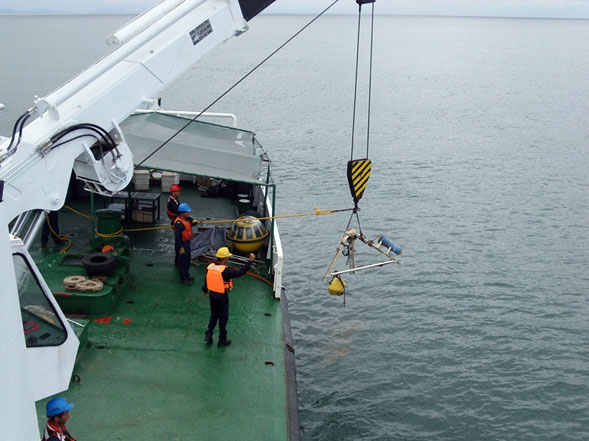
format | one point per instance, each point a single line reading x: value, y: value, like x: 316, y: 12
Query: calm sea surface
x: 480, y: 144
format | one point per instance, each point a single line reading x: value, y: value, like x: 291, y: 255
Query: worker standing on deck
x: 173, y: 202
x: 58, y: 412
x: 218, y: 283
x: 183, y: 235
x: 172, y: 209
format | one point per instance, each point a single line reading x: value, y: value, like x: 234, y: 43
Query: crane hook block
x: 358, y: 174
x: 364, y: 2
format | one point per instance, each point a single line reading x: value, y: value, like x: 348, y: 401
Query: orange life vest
x: 171, y: 214
x: 215, y: 280
x: 187, y: 233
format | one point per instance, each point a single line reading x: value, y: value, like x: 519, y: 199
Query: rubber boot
x: 208, y: 338
x: 223, y: 343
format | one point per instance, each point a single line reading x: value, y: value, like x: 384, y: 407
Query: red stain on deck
x: 104, y: 320
x: 61, y: 294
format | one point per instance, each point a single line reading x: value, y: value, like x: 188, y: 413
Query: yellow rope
x: 118, y: 233
x: 59, y: 236
x: 127, y: 230
x: 147, y: 228
x: 77, y: 212
x: 317, y: 212
x: 109, y: 235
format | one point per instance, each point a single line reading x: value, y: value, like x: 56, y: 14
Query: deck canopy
x: 201, y: 149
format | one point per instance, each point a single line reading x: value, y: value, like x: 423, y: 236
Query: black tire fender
x: 99, y: 264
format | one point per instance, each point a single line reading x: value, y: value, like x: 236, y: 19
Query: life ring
x: 99, y: 264
x: 90, y: 285
x: 70, y: 282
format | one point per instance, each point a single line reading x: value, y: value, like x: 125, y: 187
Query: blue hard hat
x: 57, y: 406
x: 184, y: 207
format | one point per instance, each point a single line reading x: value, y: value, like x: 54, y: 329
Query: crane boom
x: 153, y: 51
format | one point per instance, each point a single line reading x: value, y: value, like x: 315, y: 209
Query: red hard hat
x: 107, y: 248
x: 175, y: 187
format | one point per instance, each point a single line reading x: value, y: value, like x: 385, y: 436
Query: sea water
x: 479, y: 137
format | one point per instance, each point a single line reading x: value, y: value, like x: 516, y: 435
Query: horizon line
x: 62, y: 13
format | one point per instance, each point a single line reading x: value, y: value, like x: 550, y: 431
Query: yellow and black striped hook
x: 358, y: 175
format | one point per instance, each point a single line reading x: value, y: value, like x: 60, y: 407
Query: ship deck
x: 146, y: 373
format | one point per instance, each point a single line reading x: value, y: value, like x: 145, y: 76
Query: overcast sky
x: 495, y: 8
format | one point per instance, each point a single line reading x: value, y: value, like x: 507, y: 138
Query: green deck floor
x: 154, y: 378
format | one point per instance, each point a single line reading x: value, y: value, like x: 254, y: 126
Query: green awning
x: 201, y: 149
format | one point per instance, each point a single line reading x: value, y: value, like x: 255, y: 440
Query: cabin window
x: 42, y: 326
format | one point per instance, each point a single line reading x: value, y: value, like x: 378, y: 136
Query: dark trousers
x: 53, y: 219
x: 220, y: 312
x: 184, y: 261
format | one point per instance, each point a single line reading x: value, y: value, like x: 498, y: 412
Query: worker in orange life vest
x: 218, y: 283
x: 183, y: 235
x: 173, y: 202
x: 58, y: 412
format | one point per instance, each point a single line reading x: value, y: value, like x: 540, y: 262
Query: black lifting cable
x: 238, y: 82
x: 370, y: 81
x: 360, y: 3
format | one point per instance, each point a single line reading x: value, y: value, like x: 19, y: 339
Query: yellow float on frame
x: 337, y: 286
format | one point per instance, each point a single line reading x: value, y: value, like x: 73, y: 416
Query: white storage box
x: 144, y: 215
x: 141, y: 180
x: 169, y: 178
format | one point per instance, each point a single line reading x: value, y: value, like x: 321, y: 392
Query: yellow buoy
x: 247, y: 234
x: 337, y: 286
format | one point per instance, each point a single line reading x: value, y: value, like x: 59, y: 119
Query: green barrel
x: 109, y: 221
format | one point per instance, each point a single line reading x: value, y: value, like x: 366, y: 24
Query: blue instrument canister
x: 389, y: 244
